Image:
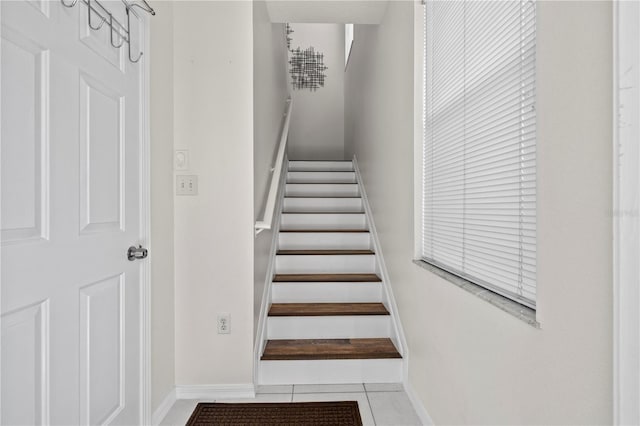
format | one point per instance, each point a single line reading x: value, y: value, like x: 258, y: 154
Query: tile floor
x: 380, y: 404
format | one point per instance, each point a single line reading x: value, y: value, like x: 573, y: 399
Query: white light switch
x: 186, y: 185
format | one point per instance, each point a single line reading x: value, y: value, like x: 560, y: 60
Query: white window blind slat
x: 479, y: 156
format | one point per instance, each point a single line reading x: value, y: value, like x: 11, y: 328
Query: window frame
x: 421, y: 64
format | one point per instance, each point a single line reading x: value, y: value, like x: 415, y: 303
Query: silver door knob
x: 137, y: 253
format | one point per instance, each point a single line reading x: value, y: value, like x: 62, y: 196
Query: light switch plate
x: 186, y: 185
x: 181, y: 159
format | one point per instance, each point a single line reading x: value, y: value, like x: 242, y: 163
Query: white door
x: 71, y: 178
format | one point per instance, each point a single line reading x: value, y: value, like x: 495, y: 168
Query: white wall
x: 162, y: 254
x: 212, y: 90
x: 471, y: 363
x: 317, y: 122
x: 270, y: 89
x: 213, y: 108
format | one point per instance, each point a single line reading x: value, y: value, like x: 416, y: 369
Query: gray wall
x: 471, y: 363
x: 317, y: 122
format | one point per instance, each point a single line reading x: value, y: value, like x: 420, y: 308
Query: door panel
x: 70, y: 142
x: 102, y: 129
x: 25, y: 337
x: 25, y: 101
x: 102, y: 349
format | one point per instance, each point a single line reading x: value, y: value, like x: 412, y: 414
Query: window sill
x: 523, y: 313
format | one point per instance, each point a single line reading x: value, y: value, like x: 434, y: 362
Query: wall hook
x: 129, y: 32
x: 102, y: 19
x: 119, y: 35
x: 112, y: 25
x: 146, y: 7
x: 131, y: 58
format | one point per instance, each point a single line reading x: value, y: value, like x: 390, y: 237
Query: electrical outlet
x: 186, y: 185
x: 224, y: 323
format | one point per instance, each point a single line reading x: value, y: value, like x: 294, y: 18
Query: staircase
x: 328, y: 320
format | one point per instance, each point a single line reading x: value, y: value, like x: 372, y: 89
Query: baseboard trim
x: 161, y: 412
x: 398, y: 337
x: 421, y: 411
x: 213, y: 392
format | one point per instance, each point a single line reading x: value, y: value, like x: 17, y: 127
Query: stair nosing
x: 325, y: 231
x: 314, y: 349
x: 325, y: 252
x: 323, y: 196
x: 339, y: 278
x: 327, y: 212
x: 322, y: 183
x: 345, y: 309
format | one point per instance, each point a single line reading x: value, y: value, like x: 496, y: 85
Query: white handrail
x: 269, y: 208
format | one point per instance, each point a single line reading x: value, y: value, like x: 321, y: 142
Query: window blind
x: 479, y: 156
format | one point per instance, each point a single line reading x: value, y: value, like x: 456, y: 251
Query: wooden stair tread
x: 283, y: 278
x: 322, y: 196
x: 322, y: 183
x: 326, y: 309
x: 324, y: 230
x: 319, y: 349
x: 323, y: 252
x: 333, y: 212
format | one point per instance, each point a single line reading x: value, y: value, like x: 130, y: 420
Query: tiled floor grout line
x: 366, y: 393
x: 382, y: 409
x: 364, y: 390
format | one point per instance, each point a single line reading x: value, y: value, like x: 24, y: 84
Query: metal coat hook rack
x: 98, y: 15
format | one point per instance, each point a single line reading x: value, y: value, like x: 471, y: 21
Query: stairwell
x: 328, y: 319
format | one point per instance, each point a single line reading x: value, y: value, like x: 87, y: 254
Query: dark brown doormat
x: 340, y: 413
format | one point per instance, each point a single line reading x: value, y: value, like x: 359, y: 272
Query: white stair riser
x: 329, y: 327
x: 324, y: 241
x: 328, y: 166
x: 330, y: 371
x: 323, y: 221
x: 326, y: 186
x: 317, y: 264
x: 323, y: 205
x: 326, y: 292
x: 321, y: 190
x: 305, y: 177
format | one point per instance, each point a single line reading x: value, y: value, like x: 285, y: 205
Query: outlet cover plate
x: 224, y: 323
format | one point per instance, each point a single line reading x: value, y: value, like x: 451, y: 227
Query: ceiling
x: 327, y: 11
